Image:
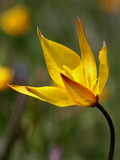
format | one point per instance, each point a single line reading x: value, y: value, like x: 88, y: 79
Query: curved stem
x: 112, y: 131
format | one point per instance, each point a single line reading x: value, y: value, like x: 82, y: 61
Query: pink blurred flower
x: 55, y: 154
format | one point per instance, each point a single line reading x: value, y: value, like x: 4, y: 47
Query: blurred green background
x: 34, y: 130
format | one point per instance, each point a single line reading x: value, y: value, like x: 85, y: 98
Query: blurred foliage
x: 73, y: 133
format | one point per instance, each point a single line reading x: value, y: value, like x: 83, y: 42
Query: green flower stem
x: 112, y: 131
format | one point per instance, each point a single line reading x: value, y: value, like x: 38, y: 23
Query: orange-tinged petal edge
x: 80, y: 94
x: 51, y: 94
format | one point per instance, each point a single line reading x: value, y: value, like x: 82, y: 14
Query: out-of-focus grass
x: 79, y: 133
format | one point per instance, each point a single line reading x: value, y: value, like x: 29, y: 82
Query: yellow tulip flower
x: 6, y: 76
x: 75, y: 77
x: 16, y: 20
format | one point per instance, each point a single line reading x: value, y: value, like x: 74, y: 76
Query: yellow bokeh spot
x: 6, y: 76
x: 110, y: 6
x: 16, y: 20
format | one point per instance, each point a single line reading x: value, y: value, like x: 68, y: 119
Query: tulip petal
x: 103, y: 68
x: 76, y: 74
x: 57, y: 56
x: 55, y: 95
x: 87, y: 56
x: 80, y: 94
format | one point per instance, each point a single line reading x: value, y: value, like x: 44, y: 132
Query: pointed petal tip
x: 12, y: 86
x: 80, y: 29
x: 104, y: 43
x: 78, y: 20
x: 63, y: 76
x: 39, y: 33
x: 9, y: 85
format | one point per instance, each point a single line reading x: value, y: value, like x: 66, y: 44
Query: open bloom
x: 75, y: 77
